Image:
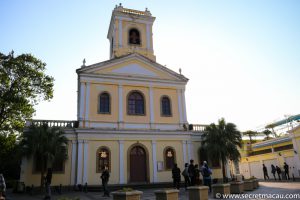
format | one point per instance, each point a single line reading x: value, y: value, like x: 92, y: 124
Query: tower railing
x: 53, y: 123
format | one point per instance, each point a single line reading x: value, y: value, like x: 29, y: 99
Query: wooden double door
x: 138, y: 164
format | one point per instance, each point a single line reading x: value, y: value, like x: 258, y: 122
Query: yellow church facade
x: 131, y: 114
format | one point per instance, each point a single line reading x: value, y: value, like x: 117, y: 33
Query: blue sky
x: 242, y: 57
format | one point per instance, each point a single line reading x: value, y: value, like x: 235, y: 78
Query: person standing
x: 48, y: 180
x: 206, y: 173
x: 185, y: 174
x: 265, y: 172
x: 273, y: 170
x: 176, y: 176
x: 105, y: 179
x: 278, y: 172
x: 286, y: 171
x: 191, y: 171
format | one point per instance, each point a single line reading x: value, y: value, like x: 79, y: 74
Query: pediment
x: 134, y: 66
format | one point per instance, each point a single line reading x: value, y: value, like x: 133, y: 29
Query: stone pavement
x: 148, y: 194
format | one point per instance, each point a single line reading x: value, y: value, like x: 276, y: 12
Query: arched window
x: 104, y: 103
x: 166, y: 106
x: 170, y: 156
x: 136, y: 104
x: 134, y: 36
x: 103, y: 159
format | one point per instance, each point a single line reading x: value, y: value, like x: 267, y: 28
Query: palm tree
x: 250, y: 134
x: 46, y: 143
x: 267, y: 133
x: 221, y: 141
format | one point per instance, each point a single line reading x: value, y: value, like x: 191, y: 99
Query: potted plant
x: 127, y: 194
x: 236, y: 187
x: 166, y: 194
x: 198, y: 192
x: 255, y: 182
x: 249, y: 184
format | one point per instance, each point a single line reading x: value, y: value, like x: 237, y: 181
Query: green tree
x: 46, y: 143
x: 10, y: 165
x: 267, y: 134
x: 251, y: 134
x: 222, y: 141
x: 23, y: 84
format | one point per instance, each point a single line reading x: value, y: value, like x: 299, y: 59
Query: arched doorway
x: 138, y: 164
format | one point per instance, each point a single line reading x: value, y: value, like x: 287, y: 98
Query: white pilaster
x: 227, y: 167
x: 121, y: 154
x: 87, y: 101
x: 85, y: 161
x: 180, y: 106
x: 190, y: 150
x: 183, y: 106
x: 23, y: 169
x: 296, y: 170
x: 120, y: 91
x: 148, y: 36
x: 120, y: 33
x: 151, y: 107
x: 79, y: 163
x: 184, y: 151
x: 73, y: 164
x: 154, y: 161
x: 81, y: 101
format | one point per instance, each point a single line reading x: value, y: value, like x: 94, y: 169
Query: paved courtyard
x: 148, y: 194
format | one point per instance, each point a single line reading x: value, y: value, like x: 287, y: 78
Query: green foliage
x: 23, y: 84
x: 250, y: 134
x: 267, y: 134
x: 47, y: 143
x: 222, y: 141
x: 68, y: 198
x: 9, y: 157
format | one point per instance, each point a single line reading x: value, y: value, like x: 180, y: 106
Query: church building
x: 131, y: 114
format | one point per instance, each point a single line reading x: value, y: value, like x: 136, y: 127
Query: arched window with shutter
x: 135, y: 103
x: 165, y: 104
x: 104, y: 103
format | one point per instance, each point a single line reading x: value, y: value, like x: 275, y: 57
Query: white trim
x: 81, y: 101
x: 136, y: 20
x: 120, y: 29
x: 87, y: 101
x: 85, y: 161
x: 184, y: 151
x: 136, y: 126
x: 103, y: 125
x: 121, y: 156
x: 148, y: 36
x: 141, y: 81
x: 183, y: 106
x: 190, y: 150
x: 79, y: 163
x: 120, y: 95
x: 154, y: 161
x: 73, y: 164
x: 151, y: 106
x: 180, y: 106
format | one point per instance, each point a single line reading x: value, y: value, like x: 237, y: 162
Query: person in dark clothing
x: 273, y: 170
x: 265, y: 172
x: 197, y: 175
x: 48, y: 180
x: 278, y: 172
x: 105, y: 179
x: 286, y: 171
x: 206, y: 173
x: 191, y: 171
x: 185, y: 174
x: 176, y: 176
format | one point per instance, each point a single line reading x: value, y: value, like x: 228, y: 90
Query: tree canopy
x: 23, y: 84
x: 221, y: 141
x: 46, y: 143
